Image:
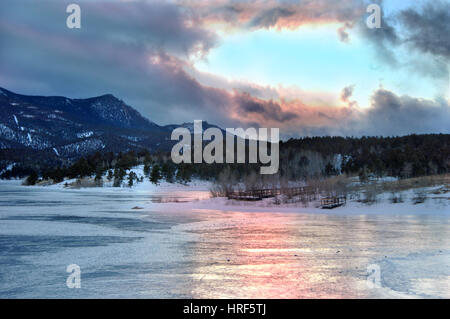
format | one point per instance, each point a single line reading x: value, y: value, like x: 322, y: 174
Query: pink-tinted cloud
x: 255, y: 14
x: 141, y: 52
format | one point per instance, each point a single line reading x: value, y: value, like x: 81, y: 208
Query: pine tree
x: 184, y: 174
x: 32, y: 179
x: 98, y: 177
x: 167, y: 172
x: 119, y: 174
x: 110, y: 175
x: 363, y: 175
x: 147, y: 168
x: 131, y: 177
x: 155, y: 176
x: 329, y: 169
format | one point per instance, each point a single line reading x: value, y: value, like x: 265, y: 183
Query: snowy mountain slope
x: 75, y: 127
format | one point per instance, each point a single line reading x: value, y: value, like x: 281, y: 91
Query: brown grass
x: 416, y: 182
x: 84, y: 182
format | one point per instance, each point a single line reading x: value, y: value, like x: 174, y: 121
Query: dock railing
x: 258, y: 194
x: 332, y: 201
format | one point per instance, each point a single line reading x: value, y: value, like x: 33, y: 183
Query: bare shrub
x: 420, y: 196
x: 304, y: 200
x: 334, y: 186
x: 314, y: 188
x: 441, y: 190
x: 271, y: 181
x: 225, y: 184
x: 276, y: 200
x: 252, y: 182
x: 216, y: 191
x: 370, y: 194
x: 396, y: 198
x: 84, y: 182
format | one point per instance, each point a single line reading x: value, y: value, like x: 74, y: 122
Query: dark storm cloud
x: 429, y: 30
x: 388, y: 115
x: 391, y: 114
x: 270, y: 17
x: 424, y: 29
x: 268, y: 110
x: 111, y: 53
x: 140, y: 24
x: 384, y: 39
x: 346, y: 93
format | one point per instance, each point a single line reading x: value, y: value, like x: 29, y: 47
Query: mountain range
x: 63, y: 128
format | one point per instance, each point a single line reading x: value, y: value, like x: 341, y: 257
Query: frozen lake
x: 187, y: 253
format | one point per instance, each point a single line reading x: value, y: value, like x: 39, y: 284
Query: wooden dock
x: 332, y: 202
x: 258, y: 194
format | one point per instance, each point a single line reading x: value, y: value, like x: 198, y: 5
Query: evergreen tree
x: 184, y: 173
x: 167, y: 172
x: 155, y: 176
x: 99, y: 178
x: 110, y: 175
x: 330, y: 170
x: 32, y: 179
x: 363, y: 175
x: 131, y: 177
x: 147, y: 168
x: 119, y: 174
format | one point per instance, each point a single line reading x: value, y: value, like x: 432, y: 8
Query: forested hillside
x: 300, y: 159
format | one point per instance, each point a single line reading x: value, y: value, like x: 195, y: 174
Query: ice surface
x: 209, y: 248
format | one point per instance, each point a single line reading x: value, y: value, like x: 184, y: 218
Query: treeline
x: 114, y: 168
x: 300, y: 159
x: 404, y: 157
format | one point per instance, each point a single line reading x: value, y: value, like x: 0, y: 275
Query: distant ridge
x: 64, y: 128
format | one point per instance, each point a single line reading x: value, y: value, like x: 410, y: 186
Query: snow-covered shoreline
x: 432, y: 206
x: 199, y: 199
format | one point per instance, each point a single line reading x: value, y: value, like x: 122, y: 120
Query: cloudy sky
x: 309, y: 67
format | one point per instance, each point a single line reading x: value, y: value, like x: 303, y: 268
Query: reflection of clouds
x: 265, y: 261
x: 264, y: 255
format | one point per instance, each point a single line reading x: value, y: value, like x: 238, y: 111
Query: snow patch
x: 8, y: 168
x: 6, y: 132
x: 56, y: 117
x: 85, y: 134
x: 82, y: 147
